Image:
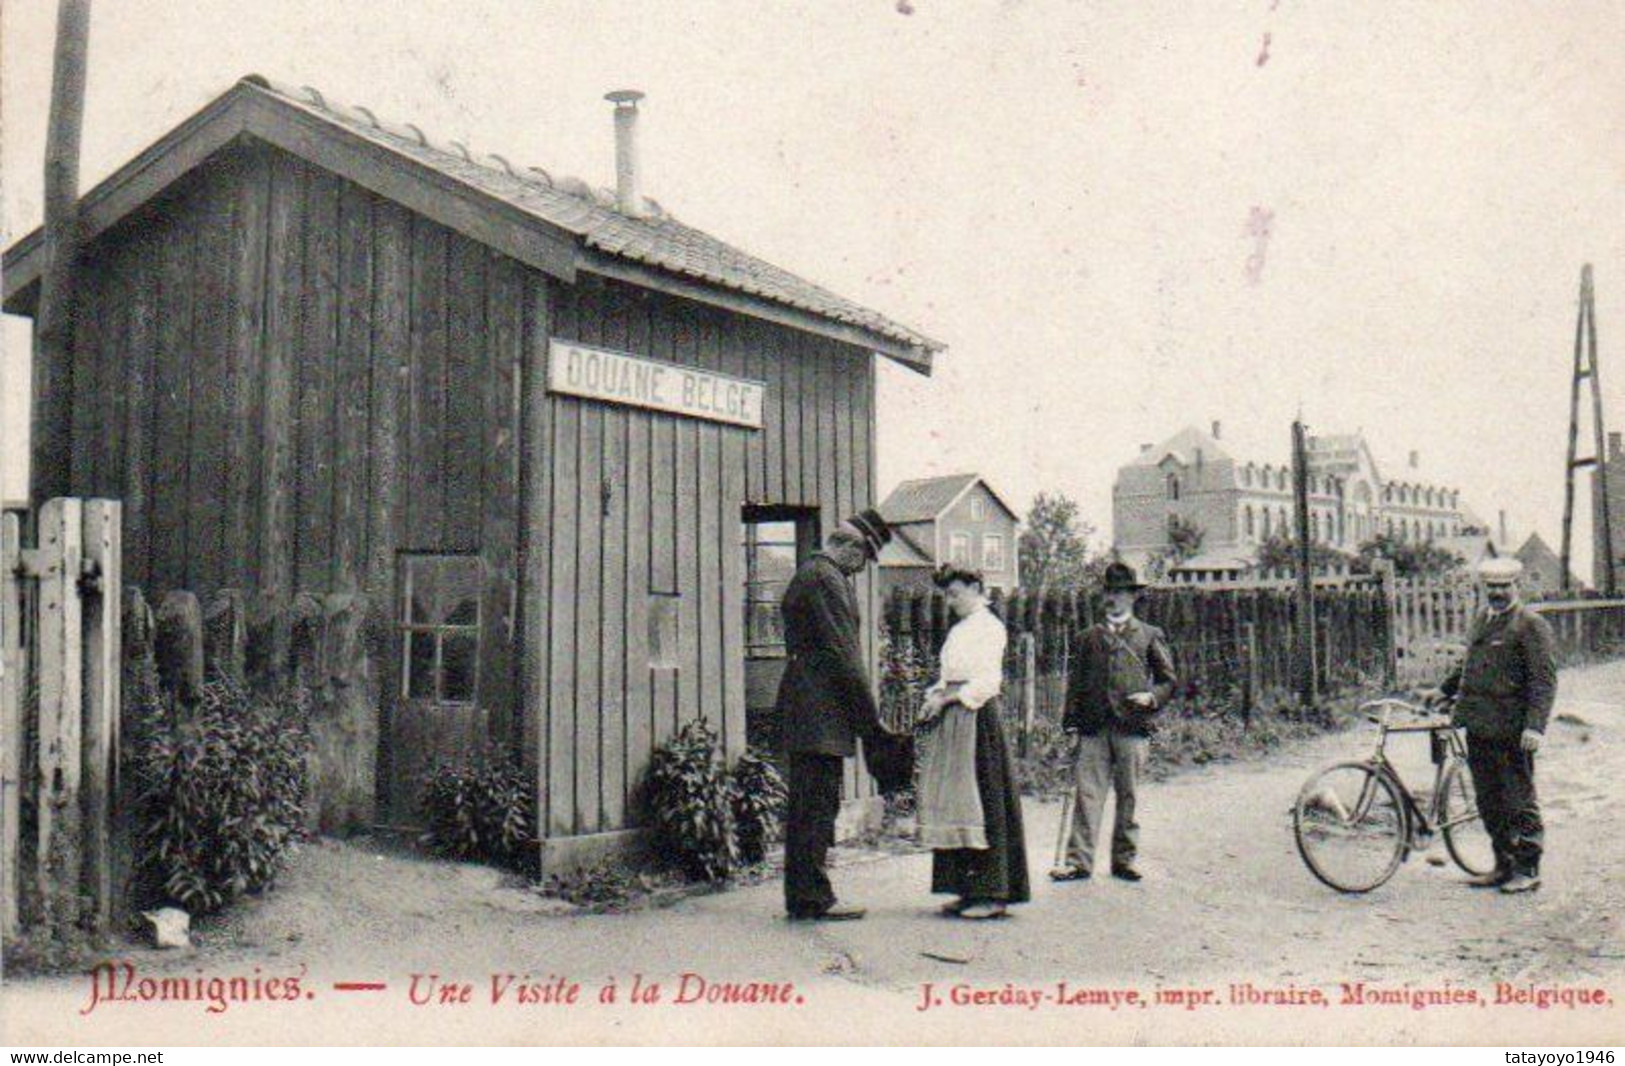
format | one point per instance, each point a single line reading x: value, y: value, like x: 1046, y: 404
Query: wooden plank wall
x: 288, y: 380
x: 642, y: 504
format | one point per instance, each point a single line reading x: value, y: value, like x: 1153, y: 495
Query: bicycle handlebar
x: 1380, y: 711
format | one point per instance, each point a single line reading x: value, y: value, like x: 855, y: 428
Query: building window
x: 993, y: 552
x: 1266, y: 523
x: 1173, y: 486
x: 1247, y: 519
x: 440, y: 627
x: 959, y: 549
x: 1314, y: 528
x: 770, y: 563
x: 978, y: 509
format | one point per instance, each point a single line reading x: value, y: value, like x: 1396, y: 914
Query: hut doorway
x: 776, y: 540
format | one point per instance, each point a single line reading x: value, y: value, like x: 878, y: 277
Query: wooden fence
x: 1586, y: 629
x: 60, y: 615
x: 1431, y: 619
x: 1231, y: 647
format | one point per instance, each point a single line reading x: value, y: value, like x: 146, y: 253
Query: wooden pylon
x: 1585, y: 369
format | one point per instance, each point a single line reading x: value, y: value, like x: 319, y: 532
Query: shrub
x: 758, y: 797
x: 688, y: 796
x: 482, y: 811
x: 219, y: 790
x: 905, y: 673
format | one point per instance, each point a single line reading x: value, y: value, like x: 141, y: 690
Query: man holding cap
x: 824, y: 705
x: 1504, y: 691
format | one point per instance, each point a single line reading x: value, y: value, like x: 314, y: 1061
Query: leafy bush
x: 482, y: 811
x: 607, y: 887
x: 905, y: 673
x: 758, y: 796
x: 689, y: 800
x: 219, y: 790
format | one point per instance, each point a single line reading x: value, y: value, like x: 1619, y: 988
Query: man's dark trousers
x: 1504, y: 778
x: 809, y: 832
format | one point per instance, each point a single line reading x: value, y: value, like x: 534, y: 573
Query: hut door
x: 777, y: 540
x: 436, y: 713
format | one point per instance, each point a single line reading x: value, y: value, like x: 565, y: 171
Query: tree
x: 1280, y: 552
x: 1184, y: 542
x: 1054, y: 545
x: 1410, y: 559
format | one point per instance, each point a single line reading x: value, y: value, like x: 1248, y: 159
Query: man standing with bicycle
x: 1504, y: 690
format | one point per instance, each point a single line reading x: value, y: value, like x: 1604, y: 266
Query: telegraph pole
x: 1585, y: 368
x: 51, y: 421
x: 1303, y: 651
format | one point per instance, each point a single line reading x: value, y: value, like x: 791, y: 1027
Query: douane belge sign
x: 615, y: 377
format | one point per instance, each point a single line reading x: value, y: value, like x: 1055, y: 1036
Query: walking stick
x: 1061, y: 834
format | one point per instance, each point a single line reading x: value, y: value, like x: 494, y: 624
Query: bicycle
x: 1356, y: 821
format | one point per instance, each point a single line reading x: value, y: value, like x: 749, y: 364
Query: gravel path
x: 1226, y: 901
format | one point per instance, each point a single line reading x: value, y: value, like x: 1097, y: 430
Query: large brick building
x: 1237, y: 504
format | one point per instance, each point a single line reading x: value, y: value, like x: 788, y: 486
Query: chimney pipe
x: 1502, y: 527
x: 1146, y: 447
x: 1216, y: 428
x: 1616, y: 446
x: 628, y: 196
x: 1416, y: 459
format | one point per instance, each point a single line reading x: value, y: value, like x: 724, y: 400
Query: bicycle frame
x: 1419, y: 823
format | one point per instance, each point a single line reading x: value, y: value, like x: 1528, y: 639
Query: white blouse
x: 973, y: 655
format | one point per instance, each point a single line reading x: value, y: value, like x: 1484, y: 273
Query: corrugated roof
x: 923, y: 499
x: 656, y: 239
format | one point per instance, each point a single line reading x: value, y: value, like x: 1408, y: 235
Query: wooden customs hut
x: 566, y: 446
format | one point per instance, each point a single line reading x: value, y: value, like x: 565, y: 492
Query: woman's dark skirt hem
x: 997, y: 873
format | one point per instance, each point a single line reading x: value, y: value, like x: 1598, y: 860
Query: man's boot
x: 1522, y: 881
x: 1495, y: 878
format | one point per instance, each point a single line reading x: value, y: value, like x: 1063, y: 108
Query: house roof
x: 925, y: 499
x: 903, y: 551
x: 1471, y: 547
x: 601, y: 237
x: 1215, y: 561
x: 1183, y: 446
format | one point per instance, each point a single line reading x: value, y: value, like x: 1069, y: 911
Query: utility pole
x: 1303, y: 651
x: 51, y: 422
x: 1585, y: 368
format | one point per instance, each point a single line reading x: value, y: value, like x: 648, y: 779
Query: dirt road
x: 1226, y: 902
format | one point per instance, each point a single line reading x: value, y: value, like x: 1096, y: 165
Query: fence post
x: 179, y: 649
x: 1029, y: 695
x: 101, y: 707
x: 57, y: 854
x: 13, y: 663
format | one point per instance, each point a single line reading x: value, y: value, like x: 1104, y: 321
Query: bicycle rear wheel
x: 1465, y: 835
x: 1351, y: 826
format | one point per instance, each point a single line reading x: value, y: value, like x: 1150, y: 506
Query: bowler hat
x: 868, y: 524
x: 1120, y: 577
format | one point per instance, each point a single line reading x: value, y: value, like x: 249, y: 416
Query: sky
x: 1121, y: 218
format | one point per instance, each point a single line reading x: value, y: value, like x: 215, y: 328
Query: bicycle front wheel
x: 1465, y: 836
x: 1351, y: 826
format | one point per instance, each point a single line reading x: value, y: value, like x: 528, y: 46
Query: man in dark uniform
x: 1121, y: 675
x: 824, y: 705
x: 1504, y: 691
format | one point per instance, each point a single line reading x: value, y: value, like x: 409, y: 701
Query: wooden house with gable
x: 555, y: 436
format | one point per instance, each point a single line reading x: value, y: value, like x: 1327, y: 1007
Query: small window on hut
x: 771, y: 551
x: 440, y: 627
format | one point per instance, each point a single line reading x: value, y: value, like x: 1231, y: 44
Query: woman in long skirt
x: 969, y: 806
